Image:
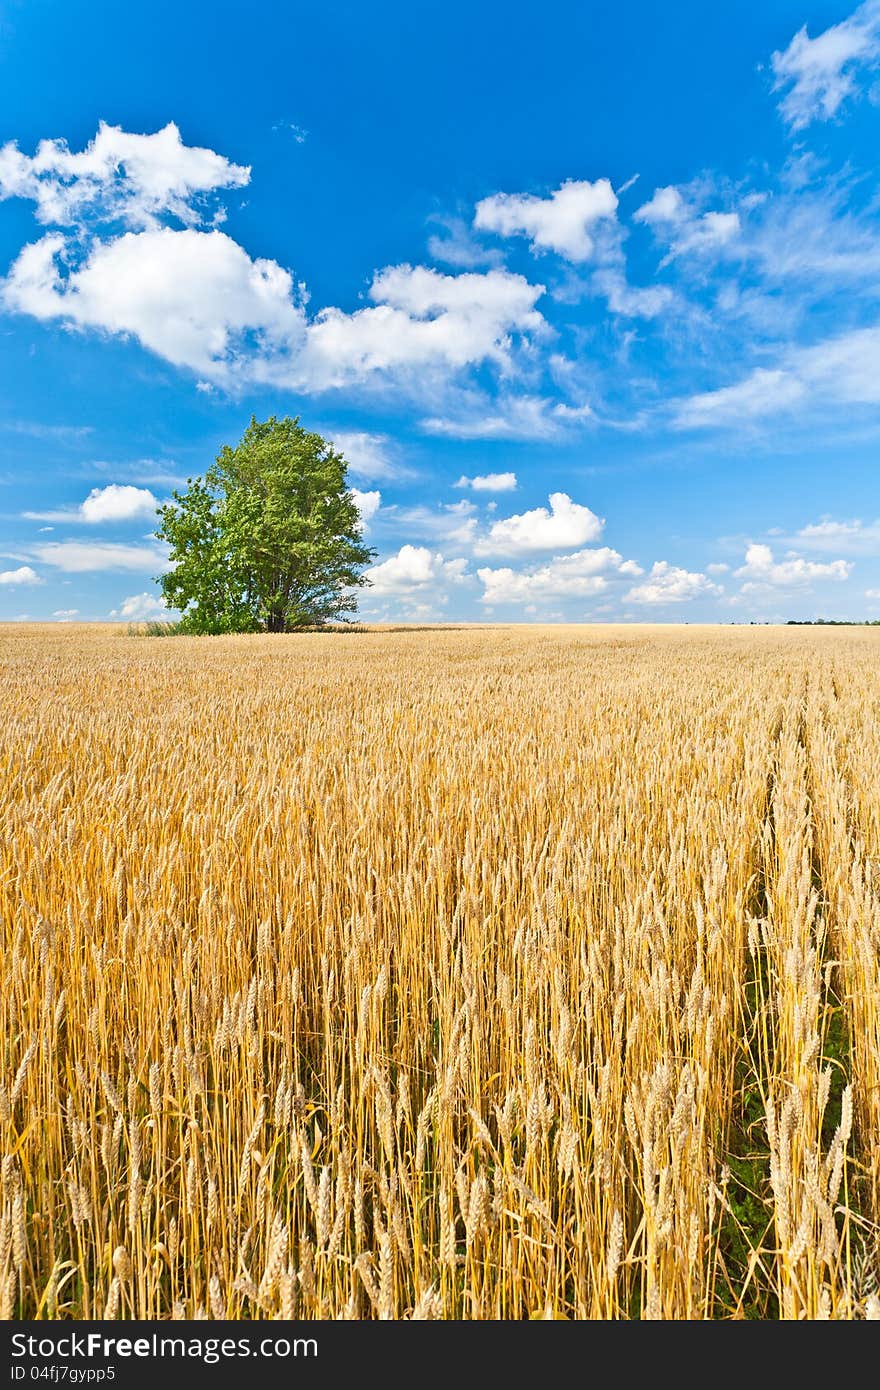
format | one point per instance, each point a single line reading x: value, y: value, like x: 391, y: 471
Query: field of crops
x: 503, y: 973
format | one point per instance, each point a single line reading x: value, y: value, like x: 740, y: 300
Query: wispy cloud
x: 37, y: 430
x: 370, y: 456
x: 817, y: 75
x: 80, y: 557
x: 296, y: 132
x: 508, y: 417
x: 844, y: 369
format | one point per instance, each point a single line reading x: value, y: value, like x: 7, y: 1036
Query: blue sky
x: 590, y: 300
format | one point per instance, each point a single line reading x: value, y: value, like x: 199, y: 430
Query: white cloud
x: 819, y: 73
x: 367, y: 503
x: 291, y: 128
x: 763, y: 393
x: 194, y: 298
x: 23, y: 575
x: 422, y: 320
x: 141, y: 608
x: 458, y: 247
x: 489, y: 482
x: 719, y: 568
x: 814, y: 237
x: 846, y: 368
x: 762, y: 570
x: 566, y: 525
x: 454, y: 523
x: 415, y: 569
x: 564, y: 576
x: 712, y: 229
x: 367, y: 455
x: 143, y: 472
x: 62, y: 434
x: 115, y: 502
x: 565, y: 222
x: 852, y: 537
x: 199, y: 301
x: 834, y: 530
x: 80, y: 557
x: 872, y: 593
x: 119, y: 175
x: 843, y: 369
x: 64, y: 615
x: 677, y: 220
x: 667, y: 205
x: 669, y: 584
x: 631, y: 301
x: 509, y: 417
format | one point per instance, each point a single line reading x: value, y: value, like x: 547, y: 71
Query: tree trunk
x: 275, y: 622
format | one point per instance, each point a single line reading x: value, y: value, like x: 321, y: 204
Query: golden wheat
x: 479, y: 973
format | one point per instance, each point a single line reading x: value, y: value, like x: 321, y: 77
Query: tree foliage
x: 269, y: 540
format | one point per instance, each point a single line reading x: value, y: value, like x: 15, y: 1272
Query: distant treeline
x: 833, y: 622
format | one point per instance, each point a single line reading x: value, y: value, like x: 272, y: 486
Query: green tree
x: 269, y: 540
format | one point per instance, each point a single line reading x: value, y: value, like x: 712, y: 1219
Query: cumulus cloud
x: 669, y: 584
x: 489, y: 482
x: 194, y: 298
x: 116, y: 502
x: 80, y: 557
x: 565, y: 222
x: 141, y: 608
x: 12, y: 579
x: 761, y: 570
x: 118, y: 176
x: 818, y: 74
x: 422, y: 320
x: 564, y: 576
x: 415, y: 570
x: 65, y: 615
x: 565, y: 525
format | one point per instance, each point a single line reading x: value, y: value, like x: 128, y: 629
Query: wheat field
x: 480, y: 973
